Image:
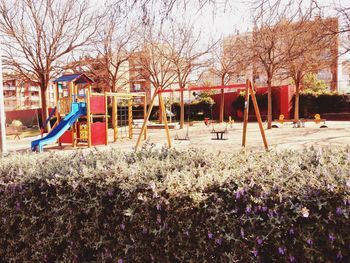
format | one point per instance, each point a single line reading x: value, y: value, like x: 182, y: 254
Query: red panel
x: 97, y: 104
x: 67, y: 137
x: 98, y: 133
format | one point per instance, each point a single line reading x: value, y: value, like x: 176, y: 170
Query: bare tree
x: 274, y: 39
x: 310, y: 49
x: 118, y: 41
x: 153, y: 61
x: 229, y: 61
x: 38, y: 35
x: 186, y: 55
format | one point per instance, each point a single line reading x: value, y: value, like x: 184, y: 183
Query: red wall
x: 27, y: 117
x: 281, y: 102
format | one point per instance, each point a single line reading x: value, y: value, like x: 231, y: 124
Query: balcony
x: 9, y: 88
x: 34, y: 98
x: 36, y: 89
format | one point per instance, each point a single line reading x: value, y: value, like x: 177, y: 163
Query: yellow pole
x: 106, y: 116
x: 88, y: 117
x: 258, y: 116
x: 246, y: 112
x: 165, y: 119
x: 144, y: 125
x: 130, y: 117
x: 58, y: 116
x: 145, y: 115
x: 115, y: 118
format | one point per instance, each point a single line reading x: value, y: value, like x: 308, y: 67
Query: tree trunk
x: 44, y: 108
x: 269, y: 104
x: 160, y: 115
x: 296, y: 103
x: 182, y: 110
x: 222, y: 106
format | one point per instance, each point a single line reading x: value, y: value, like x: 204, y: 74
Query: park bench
x: 219, y: 131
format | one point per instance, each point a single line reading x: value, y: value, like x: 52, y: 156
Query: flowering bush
x: 170, y: 206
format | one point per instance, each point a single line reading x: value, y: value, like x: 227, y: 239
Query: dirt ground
x: 284, y: 137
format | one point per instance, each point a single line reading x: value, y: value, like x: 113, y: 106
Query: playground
x: 85, y: 119
x: 200, y: 136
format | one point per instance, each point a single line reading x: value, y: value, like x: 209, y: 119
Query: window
x: 137, y: 87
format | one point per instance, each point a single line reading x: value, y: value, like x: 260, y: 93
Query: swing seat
x: 186, y: 138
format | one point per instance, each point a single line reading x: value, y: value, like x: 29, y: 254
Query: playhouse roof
x: 79, y: 78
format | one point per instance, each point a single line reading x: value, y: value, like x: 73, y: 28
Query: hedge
x: 175, y: 206
x: 311, y: 103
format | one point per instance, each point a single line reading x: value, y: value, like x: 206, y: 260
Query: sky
x: 226, y: 16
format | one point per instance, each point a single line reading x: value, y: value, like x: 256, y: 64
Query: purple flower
x: 281, y: 250
x: 255, y: 252
x: 248, y: 209
x: 339, y: 255
x: 159, y: 207
x: 218, y: 241
x: 210, y: 235
x: 110, y: 193
x: 144, y: 230
x: 270, y: 213
x: 122, y: 227
x: 242, y: 232
x: 120, y: 260
x: 159, y: 219
x: 259, y: 241
x: 309, y: 241
x: 291, y: 231
x: 18, y: 206
x: 291, y: 258
x: 331, y: 237
x: 238, y: 194
x: 264, y: 208
x: 339, y: 211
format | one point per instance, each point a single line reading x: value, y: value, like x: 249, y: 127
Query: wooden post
x: 130, y: 117
x: 144, y: 125
x: 106, y: 116
x: 246, y: 112
x: 88, y: 117
x: 257, y: 113
x: 145, y: 115
x: 58, y: 116
x: 165, y: 119
x: 115, y: 118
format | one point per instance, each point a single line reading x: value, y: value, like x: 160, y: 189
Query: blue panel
x: 78, y: 78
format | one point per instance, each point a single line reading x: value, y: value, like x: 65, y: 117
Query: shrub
x: 171, y: 206
x: 321, y: 102
x: 261, y: 98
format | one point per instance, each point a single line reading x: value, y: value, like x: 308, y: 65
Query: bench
x: 219, y: 135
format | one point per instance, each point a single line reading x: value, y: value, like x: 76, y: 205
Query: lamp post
x: 3, y: 148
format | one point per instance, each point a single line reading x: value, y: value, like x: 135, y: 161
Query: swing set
x: 249, y: 91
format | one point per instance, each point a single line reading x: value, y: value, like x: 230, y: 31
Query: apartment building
x: 20, y: 94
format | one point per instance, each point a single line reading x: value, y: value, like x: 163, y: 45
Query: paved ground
x: 285, y: 137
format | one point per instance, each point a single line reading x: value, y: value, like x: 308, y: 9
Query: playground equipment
x: 301, y: 122
x: 248, y: 91
x: 82, y: 116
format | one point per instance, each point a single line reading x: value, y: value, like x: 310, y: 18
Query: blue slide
x: 77, y: 110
